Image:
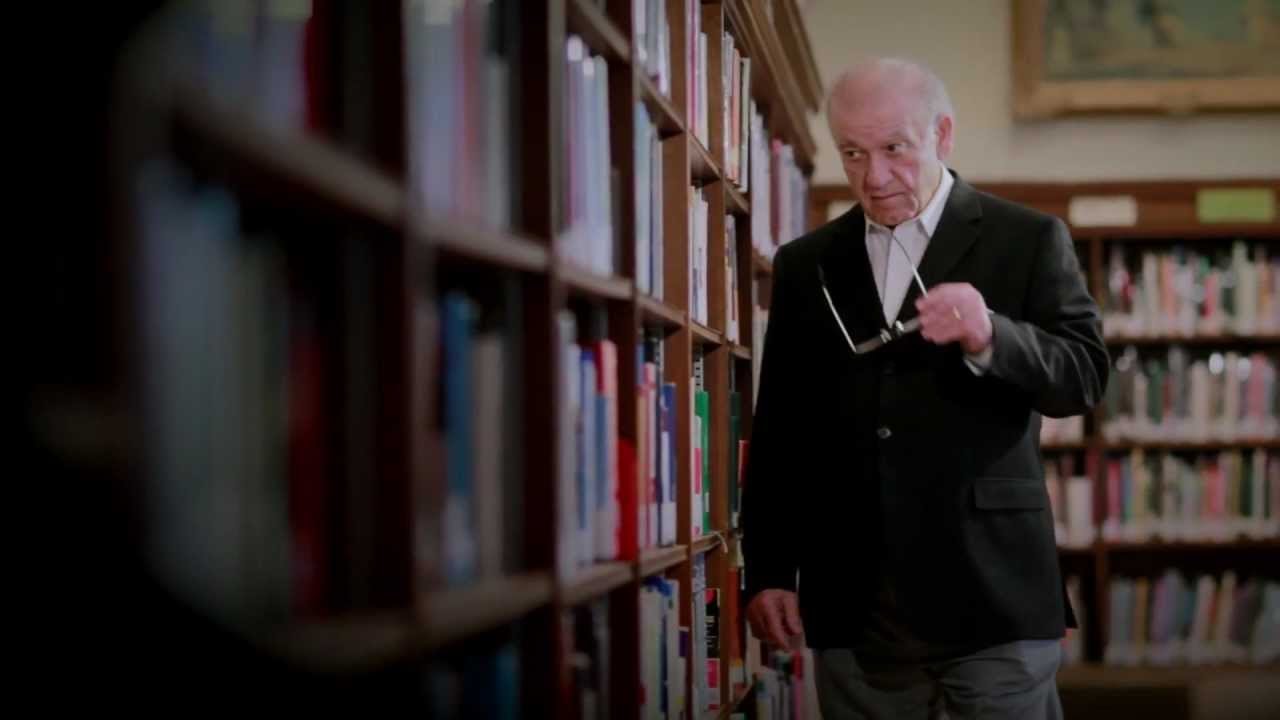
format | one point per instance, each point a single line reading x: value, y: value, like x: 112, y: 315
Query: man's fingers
x: 791, y: 615
x: 773, y: 626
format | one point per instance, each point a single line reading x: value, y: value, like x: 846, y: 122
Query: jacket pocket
x: 1009, y: 494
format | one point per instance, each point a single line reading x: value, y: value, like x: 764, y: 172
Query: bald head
x: 891, y: 121
x: 874, y: 80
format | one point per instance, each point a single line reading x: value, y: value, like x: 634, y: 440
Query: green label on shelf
x: 1217, y: 205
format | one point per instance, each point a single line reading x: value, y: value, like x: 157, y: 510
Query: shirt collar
x: 932, y: 213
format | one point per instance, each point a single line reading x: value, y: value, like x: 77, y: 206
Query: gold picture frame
x: 1085, y: 56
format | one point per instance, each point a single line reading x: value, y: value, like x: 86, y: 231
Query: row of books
x: 460, y: 78
x: 705, y: 641
x: 783, y: 690
x: 483, y: 683
x: 760, y: 173
x: 589, y: 659
x: 696, y: 78
x: 251, y: 54
x: 649, y: 263
x: 258, y: 405
x: 1185, y: 293
x: 593, y: 524
x: 656, y: 401
x: 663, y: 655
x: 474, y: 516
x: 699, y: 255
x: 1213, y: 498
x: 1071, y: 501
x: 1210, y: 396
x: 732, y: 330
x: 653, y: 41
x: 1169, y: 620
x: 790, y: 192
x: 592, y: 181
x: 737, y: 112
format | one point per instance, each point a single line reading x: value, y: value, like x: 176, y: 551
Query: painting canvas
x: 1155, y: 55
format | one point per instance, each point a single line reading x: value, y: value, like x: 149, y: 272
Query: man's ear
x: 945, y: 137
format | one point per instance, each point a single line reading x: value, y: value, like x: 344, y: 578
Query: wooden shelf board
x: 702, y: 166
x: 706, y: 543
x: 355, y: 643
x: 586, y: 283
x: 601, y: 35
x: 759, y: 264
x: 462, y: 242
x: 1254, y: 339
x: 736, y: 201
x: 1207, y: 233
x: 1097, y: 675
x: 657, y: 560
x: 657, y: 313
x: 704, y: 335
x: 288, y: 165
x: 661, y: 111
x: 1203, y: 446
x: 1198, y: 545
x: 454, y: 613
x: 594, y: 581
x: 742, y: 352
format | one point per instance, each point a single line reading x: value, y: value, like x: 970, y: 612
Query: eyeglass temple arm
x: 822, y: 281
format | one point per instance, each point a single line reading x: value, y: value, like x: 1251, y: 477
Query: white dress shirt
x: 892, y: 270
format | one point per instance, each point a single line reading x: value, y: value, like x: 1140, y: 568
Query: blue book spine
x: 458, y: 324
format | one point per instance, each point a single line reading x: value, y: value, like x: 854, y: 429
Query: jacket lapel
x: 849, y: 279
x: 956, y: 232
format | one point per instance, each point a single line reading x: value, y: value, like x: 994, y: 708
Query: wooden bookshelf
x: 661, y: 111
x: 658, y: 560
x: 451, y: 614
x: 463, y: 243
x: 593, y: 285
x: 736, y: 201
x: 704, y: 335
x: 705, y: 169
x: 1183, y: 446
x: 594, y: 581
x: 360, y: 216
x: 597, y: 30
x: 284, y: 167
x: 658, y: 313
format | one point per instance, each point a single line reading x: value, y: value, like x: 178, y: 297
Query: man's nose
x: 878, y: 174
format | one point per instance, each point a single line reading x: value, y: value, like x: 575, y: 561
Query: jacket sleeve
x: 769, y: 517
x: 1057, y: 354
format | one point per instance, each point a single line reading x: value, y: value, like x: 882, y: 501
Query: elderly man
x: 894, y: 511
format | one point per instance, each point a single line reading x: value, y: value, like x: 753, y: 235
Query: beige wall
x: 967, y: 43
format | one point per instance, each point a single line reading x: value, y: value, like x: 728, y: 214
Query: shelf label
x: 1220, y: 205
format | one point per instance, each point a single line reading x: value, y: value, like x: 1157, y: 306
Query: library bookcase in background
x: 446, y: 317
x: 1178, y: 469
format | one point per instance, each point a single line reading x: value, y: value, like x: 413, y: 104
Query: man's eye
x: 851, y: 154
x: 894, y: 147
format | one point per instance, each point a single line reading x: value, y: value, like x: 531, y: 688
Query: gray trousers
x: 1016, y: 680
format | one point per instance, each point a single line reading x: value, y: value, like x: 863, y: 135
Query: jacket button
x: 884, y: 433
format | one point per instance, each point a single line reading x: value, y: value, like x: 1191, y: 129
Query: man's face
x: 891, y: 152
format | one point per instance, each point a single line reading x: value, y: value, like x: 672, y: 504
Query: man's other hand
x: 955, y: 312
x: 774, y: 616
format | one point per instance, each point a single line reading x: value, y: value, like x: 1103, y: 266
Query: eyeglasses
x: 889, y: 334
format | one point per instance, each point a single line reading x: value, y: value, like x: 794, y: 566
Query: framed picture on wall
x: 1170, y: 56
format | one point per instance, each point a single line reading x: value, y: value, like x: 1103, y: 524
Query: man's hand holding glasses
x: 955, y: 312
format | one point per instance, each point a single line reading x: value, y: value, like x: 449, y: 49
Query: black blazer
x: 903, y: 463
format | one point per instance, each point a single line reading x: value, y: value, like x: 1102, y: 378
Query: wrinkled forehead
x: 873, y: 116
